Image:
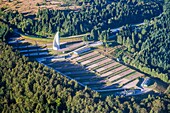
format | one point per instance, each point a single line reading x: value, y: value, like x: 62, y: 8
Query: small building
x: 118, y: 59
x: 130, y: 92
x: 82, y: 50
x: 146, y: 82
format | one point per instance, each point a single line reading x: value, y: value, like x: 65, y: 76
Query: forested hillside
x: 4, y: 29
x: 150, y: 45
x: 31, y: 87
x: 94, y: 18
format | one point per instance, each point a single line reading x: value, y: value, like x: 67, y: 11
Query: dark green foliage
x: 31, y: 87
x: 101, y: 14
x: 4, y: 29
x: 151, y: 44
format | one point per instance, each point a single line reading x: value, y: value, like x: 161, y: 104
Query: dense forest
x: 93, y: 18
x: 4, y: 28
x: 150, y: 45
x: 31, y: 87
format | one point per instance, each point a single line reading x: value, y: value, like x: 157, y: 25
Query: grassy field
x: 50, y: 40
x: 109, y: 69
x: 33, y: 38
x: 96, y: 61
x: 30, y: 7
x: 87, y: 58
x: 47, y: 42
x: 99, y: 66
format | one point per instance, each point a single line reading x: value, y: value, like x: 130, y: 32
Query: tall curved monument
x: 56, y: 41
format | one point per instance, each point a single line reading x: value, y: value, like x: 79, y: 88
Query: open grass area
x: 101, y: 65
x: 90, y: 61
x: 128, y: 81
x: 82, y: 54
x: 120, y: 77
x: 96, y: 61
x: 41, y: 40
x: 30, y: 7
x: 87, y: 58
x: 33, y: 38
x: 116, y: 73
x: 107, y: 66
x: 109, y: 69
x: 76, y: 56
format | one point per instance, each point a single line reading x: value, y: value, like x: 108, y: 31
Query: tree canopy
x: 98, y: 16
x: 150, y: 44
x: 31, y: 87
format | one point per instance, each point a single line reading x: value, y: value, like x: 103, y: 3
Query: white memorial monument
x: 56, y: 42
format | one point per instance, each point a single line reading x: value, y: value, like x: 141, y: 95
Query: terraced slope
x: 91, y: 69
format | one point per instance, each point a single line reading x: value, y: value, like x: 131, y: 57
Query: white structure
x: 56, y: 42
x: 146, y: 82
x: 81, y: 50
